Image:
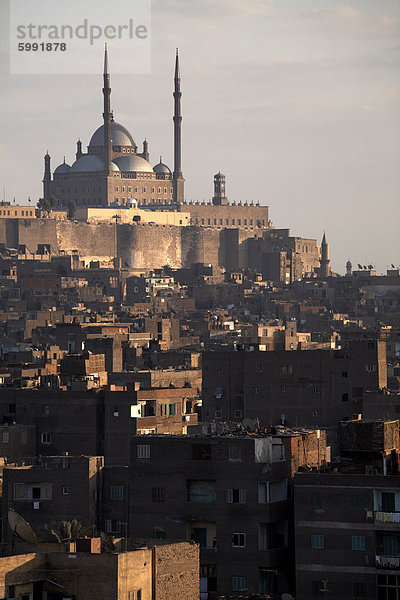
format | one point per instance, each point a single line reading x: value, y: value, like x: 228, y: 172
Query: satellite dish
x: 249, y: 424
x: 286, y: 596
x: 21, y: 528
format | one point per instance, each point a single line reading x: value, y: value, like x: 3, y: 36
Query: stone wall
x: 177, y: 571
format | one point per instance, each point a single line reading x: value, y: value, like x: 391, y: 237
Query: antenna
x: 21, y: 529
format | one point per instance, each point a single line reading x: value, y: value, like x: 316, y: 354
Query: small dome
x: 90, y: 162
x: 162, y: 168
x: 62, y: 169
x: 119, y: 134
x: 133, y: 163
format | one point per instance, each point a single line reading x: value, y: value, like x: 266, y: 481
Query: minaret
x: 349, y: 268
x: 324, y: 261
x: 47, y: 176
x: 78, y: 149
x: 145, y: 152
x: 219, y: 198
x: 107, y: 116
x: 177, y: 179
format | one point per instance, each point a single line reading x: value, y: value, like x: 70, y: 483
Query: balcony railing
x: 386, y: 517
x: 387, y: 562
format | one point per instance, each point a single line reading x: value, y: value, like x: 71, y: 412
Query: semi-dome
x: 62, y: 169
x: 90, y: 162
x: 162, y: 168
x: 133, y: 163
x: 119, y: 134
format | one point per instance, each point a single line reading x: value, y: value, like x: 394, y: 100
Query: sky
x: 296, y: 102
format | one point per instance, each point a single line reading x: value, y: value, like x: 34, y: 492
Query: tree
x: 65, y: 531
x: 47, y: 204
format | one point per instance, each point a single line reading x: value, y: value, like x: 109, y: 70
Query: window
x: 202, y: 491
x: 158, y: 494
x: 238, y: 583
x: 12, y: 408
x: 238, y: 540
x: 160, y: 533
x: 360, y: 590
x: 286, y: 369
x: 143, y: 451
x: 218, y: 414
x: 218, y: 368
x: 344, y: 374
x: 6, y: 437
x: 45, y: 438
x: 256, y: 391
x: 358, y: 542
x: 117, y: 492
x: 45, y: 409
x: 272, y: 491
x: 65, y: 490
x: 234, y: 453
x: 167, y: 410
x: 201, y: 452
x: 111, y: 526
x: 34, y: 491
x: 238, y: 414
x: 317, y: 588
x: 259, y: 367
x: 390, y: 545
x: 318, y: 541
x: 236, y: 496
x: 345, y: 397
x: 370, y: 368
x: 357, y: 392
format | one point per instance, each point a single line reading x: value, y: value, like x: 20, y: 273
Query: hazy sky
x: 296, y: 101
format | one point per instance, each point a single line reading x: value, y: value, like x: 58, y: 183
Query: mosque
x: 113, y: 171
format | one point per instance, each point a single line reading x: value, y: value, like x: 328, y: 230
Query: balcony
x: 386, y: 518
x: 387, y: 562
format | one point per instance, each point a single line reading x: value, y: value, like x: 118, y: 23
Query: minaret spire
x: 324, y: 260
x: 177, y: 180
x: 47, y: 176
x: 107, y: 115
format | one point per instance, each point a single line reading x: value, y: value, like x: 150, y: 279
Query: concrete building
x: 151, y: 571
x: 54, y: 489
x: 300, y: 387
x: 229, y: 493
x: 347, y: 519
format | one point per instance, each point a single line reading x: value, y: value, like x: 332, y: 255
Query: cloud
x: 348, y: 18
x: 207, y: 8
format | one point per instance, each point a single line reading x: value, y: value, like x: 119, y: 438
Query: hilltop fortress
x: 120, y: 206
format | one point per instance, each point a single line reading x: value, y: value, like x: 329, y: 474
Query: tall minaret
x: 47, y: 176
x: 107, y: 115
x: 324, y: 261
x: 177, y: 179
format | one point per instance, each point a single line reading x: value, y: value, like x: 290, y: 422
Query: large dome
x: 133, y: 163
x: 119, y: 135
x: 90, y: 162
